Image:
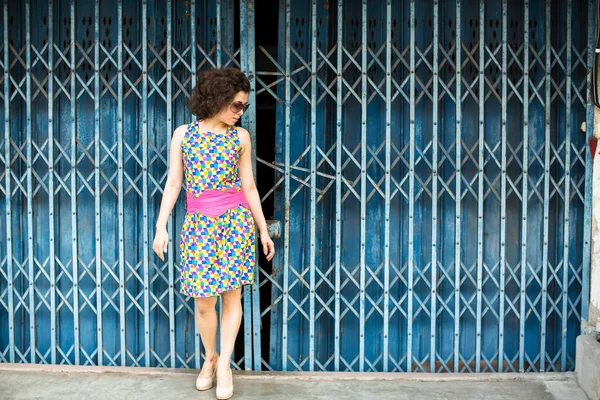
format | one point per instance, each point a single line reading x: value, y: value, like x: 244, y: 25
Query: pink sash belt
x: 213, y: 203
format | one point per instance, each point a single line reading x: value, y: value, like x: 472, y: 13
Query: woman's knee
x: 232, y: 298
x: 205, y: 305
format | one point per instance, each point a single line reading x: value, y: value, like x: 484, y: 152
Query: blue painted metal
x: 287, y: 197
x: 524, y: 187
x: 8, y: 191
x: 480, y: 180
x: 589, y: 121
x: 388, y: 158
x: 338, y: 183
x: 411, y: 191
x: 120, y: 192
x: 313, y: 182
x: 169, y: 128
x: 29, y: 148
x: 219, y: 45
x: 73, y: 176
x: 51, y: 205
x: 567, y: 191
x: 363, y: 186
x: 145, y: 223
x: 97, y: 190
x: 547, y: 151
x: 417, y: 227
x: 434, y: 192
x: 502, y: 284
x: 458, y: 187
x: 76, y: 183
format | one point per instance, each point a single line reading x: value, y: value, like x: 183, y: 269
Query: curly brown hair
x: 215, y: 89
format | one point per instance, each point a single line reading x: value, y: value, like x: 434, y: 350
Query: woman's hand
x: 268, y: 245
x: 161, y: 242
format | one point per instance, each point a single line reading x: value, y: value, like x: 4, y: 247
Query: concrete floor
x: 52, y: 382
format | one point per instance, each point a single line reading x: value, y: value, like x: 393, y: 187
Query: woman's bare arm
x: 170, y: 193
x: 251, y: 193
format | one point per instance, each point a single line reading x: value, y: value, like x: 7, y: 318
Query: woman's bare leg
x: 231, y: 318
x: 206, y: 321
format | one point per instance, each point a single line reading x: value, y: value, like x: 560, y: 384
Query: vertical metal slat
x: 8, y: 199
x: 411, y: 190
x: 74, y: 232
x: 338, y: 181
x: 458, y: 191
x: 589, y: 121
x: 388, y: 151
x: 502, y: 266
x: 97, y: 188
x: 567, y: 180
x: 480, y: 182
x: 313, y: 182
x: 434, y: 190
x: 547, y: 149
x: 219, y: 34
x: 123, y: 348
x: 525, y: 187
x: 51, y: 227
x: 286, y: 225
x: 363, y: 185
x: 29, y: 138
x: 169, y: 129
x: 146, y: 251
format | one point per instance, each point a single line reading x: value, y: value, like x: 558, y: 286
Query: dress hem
x: 217, y: 293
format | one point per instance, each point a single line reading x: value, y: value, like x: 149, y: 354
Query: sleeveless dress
x: 217, y: 253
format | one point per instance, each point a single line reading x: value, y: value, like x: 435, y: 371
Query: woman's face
x: 231, y: 113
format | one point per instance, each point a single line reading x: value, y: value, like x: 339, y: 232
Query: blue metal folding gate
x: 430, y: 177
x: 433, y: 187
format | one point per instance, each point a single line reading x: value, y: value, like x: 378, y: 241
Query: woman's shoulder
x: 243, y: 136
x: 181, y: 130
x: 179, y: 133
x: 242, y: 132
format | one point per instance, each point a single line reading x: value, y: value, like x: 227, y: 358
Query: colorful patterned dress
x: 217, y: 252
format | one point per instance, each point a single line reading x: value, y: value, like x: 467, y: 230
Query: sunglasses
x: 238, y: 106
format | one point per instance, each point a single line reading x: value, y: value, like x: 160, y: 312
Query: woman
x: 217, y: 237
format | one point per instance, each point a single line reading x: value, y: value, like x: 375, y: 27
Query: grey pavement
x: 55, y: 382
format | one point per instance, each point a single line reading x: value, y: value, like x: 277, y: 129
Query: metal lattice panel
x: 429, y: 176
x: 91, y: 91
